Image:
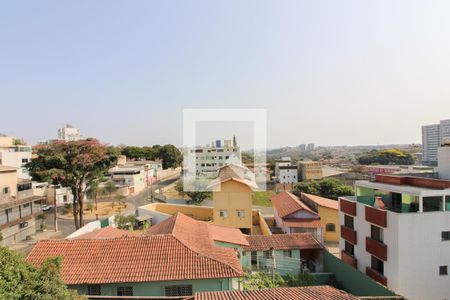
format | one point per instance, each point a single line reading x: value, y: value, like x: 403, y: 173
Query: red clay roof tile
x: 287, y: 203
x: 282, y: 242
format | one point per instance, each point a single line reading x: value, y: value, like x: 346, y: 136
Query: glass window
x: 349, y: 248
x: 5, y: 190
x: 287, y: 253
x: 240, y: 213
x: 443, y: 270
x: 348, y: 221
x: 330, y: 227
x: 432, y: 203
x: 268, y: 254
x: 124, y: 291
x: 223, y: 213
x: 377, y: 265
x: 178, y: 290
x: 447, y: 203
x: 94, y: 290
x: 445, y: 235
x: 376, y: 233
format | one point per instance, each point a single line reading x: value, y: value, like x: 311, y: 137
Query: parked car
x: 47, y: 207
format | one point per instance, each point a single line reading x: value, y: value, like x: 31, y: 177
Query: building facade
x: 287, y: 174
x: 18, y: 207
x: 16, y: 156
x: 69, y: 133
x: 396, y: 230
x: 209, y: 159
x: 310, y: 170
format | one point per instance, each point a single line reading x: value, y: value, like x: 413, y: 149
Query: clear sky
x: 328, y: 72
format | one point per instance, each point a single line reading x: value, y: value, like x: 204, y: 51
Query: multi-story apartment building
x: 15, y: 155
x: 18, y: 207
x: 310, y: 170
x: 69, y: 133
x: 397, y: 231
x: 209, y: 159
x: 310, y: 147
x: 432, y: 137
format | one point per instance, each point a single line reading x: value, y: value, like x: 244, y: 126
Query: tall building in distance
x: 69, y: 133
x: 210, y: 158
x: 310, y: 147
x: 434, y: 136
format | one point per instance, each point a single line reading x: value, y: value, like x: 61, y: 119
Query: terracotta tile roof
x: 106, y: 233
x: 321, y: 201
x: 188, y: 253
x: 297, y: 293
x: 175, y: 225
x: 237, y: 173
x: 227, y: 235
x: 287, y: 203
x: 302, y: 223
x: 282, y: 242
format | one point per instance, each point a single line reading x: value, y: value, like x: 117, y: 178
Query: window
x: 445, y: 235
x: 268, y: 254
x: 178, y: 290
x: 6, y: 190
x: 349, y: 248
x: 94, y: 290
x: 287, y: 253
x: 8, y: 210
x: 124, y: 291
x: 23, y: 225
x: 443, y: 270
x: 330, y: 227
x: 26, y: 205
x: 377, y: 265
x: 24, y: 160
x: 348, y: 221
x: 240, y: 213
x: 376, y: 233
x: 223, y: 213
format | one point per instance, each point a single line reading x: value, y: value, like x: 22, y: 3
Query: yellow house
x: 232, y: 198
x: 328, y: 211
x: 310, y: 170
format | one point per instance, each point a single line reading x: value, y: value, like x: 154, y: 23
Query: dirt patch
x: 104, y: 209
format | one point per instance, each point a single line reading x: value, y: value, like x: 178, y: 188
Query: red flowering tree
x: 76, y: 165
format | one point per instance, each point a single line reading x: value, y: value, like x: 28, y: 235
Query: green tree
x: 261, y: 280
x: 386, y: 157
x: 75, y: 164
x: 22, y: 280
x: 125, y: 222
x: 329, y: 188
x: 196, y: 190
x: 171, y: 156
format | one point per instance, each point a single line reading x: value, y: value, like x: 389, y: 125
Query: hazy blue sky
x: 328, y: 72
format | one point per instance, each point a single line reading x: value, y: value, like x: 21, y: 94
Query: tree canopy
x: 170, y: 154
x: 74, y: 164
x: 196, y: 190
x: 329, y: 188
x: 386, y: 157
x: 22, y: 280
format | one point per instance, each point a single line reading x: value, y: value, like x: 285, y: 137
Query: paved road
x: 142, y: 198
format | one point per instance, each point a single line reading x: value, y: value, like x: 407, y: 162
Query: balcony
x: 349, y: 259
x: 376, y: 248
x: 376, y: 216
x: 348, y: 234
x: 376, y: 276
x: 347, y: 207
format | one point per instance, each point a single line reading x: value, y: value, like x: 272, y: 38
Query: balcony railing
x: 376, y: 216
x: 376, y: 248
x: 348, y: 234
x: 347, y: 207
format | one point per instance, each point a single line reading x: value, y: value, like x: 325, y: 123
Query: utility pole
x: 273, y: 265
x: 146, y: 180
x: 54, y: 210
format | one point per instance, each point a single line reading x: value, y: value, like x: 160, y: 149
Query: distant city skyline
x: 328, y: 73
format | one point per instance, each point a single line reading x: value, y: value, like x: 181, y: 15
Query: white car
x: 46, y: 207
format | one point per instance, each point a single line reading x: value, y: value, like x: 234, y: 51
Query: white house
x: 287, y: 174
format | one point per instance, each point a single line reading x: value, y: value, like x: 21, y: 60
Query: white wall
x: 288, y: 176
x: 444, y: 162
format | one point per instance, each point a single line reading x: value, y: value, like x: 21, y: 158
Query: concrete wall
x: 158, y: 288
x: 162, y: 211
x: 14, y: 233
x: 14, y: 159
x: 8, y: 179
